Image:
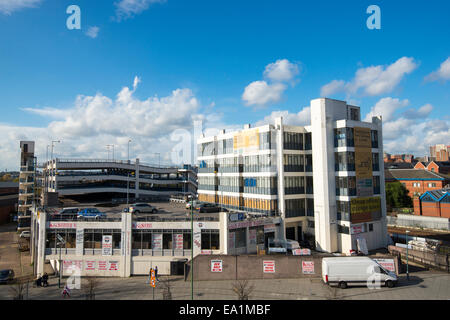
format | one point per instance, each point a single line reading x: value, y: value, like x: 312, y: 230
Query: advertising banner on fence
x: 102, y: 266
x: 301, y: 252
x: 216, y: 265
x: 308, y: 267
x: 388, y: 264
x: 90, y: 265
x: 113, y: 265
x: 178, y: 241
x: 269, y: 266
x: 107, y: 246
x: 157, y: 241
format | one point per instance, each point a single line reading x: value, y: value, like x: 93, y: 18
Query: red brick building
x: 434, y: 203
x: 434, y: 166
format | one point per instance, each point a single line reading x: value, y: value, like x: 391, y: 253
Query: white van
x: 344, y: 271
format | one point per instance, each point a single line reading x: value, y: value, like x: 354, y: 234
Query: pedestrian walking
x: 45, y: 280
x: 149, y: 276
x: 156, y: 273
x: 66, y: 292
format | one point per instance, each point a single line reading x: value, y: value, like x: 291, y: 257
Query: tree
x: 397, y: 195
x: 243, y: 289
x: 90, y: 286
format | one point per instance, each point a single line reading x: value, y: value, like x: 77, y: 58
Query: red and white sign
x: 178, y: 241
x: 308, y: 267
x: 72, y: 264
x: 269, y: 228
x: 206, y: 252
x: 113, y: 265
x: 301, y: 252
x: 62, y: 225
x: 269, y: 266
x: 216, y: 265
x: 357, y: 229
x: 142, y: 225
x: 102, y: 266
x: 107, y: 246
x: 388, y: 264
x: 157, y: 241
x: 90, y: 265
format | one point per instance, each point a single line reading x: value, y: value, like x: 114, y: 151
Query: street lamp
x: 53, y: 144
x: 159, y: 159
x: 192, y: 248
x: 407, y: 266
x: 107, y: 147
x: 61, y: 241
x: 128, y: 174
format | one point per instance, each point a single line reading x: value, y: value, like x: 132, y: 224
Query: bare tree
x: 243, y: 289
x: 18, y: 289
x: 90, y: 286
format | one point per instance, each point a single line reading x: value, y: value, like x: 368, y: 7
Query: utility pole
x: 128, y: 174
x: 192, y: 249
x: 407, y: 266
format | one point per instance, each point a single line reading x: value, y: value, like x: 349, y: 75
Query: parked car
x: 6, y: 275
x: 195, y: 202
x: 344, y: 271
x: 90, y: 213
x: 69, y: 211
x: 25, y: 234
x: 142, y: 208
x: 207, y: 207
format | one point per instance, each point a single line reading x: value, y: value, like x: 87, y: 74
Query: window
x: 370, y: 227
x: 240, y: 240
x: 310, y: 224
x: 210, y: 239
x: 343, y: 229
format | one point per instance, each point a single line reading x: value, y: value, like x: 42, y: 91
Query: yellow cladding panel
x: 246, y: 139
x: 365, y: 205
x: 362, y: 137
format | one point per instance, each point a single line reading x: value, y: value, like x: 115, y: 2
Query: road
x: 423, y: 285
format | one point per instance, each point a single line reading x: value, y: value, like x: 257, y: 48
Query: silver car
x: 142, y: 208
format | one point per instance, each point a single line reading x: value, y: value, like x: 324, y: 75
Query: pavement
x: 423, y: 285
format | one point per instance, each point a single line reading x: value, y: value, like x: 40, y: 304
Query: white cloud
x: 92, y: 32
x: 332, y: 87
x: 413, y: 131
x: 373, y: 80
x: 281, y: 70
x: 302, y: 118
x: 386, y: 108
x: 128, y: 8
x: 443, y: 73
x: 420, y: 113
x: 261, y: 93
x: 9, y: 6
x: 95, y: 121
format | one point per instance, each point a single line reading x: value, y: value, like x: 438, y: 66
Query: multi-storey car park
x: 324, y: 180
x: 83, y: 178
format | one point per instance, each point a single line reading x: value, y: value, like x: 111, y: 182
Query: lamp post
x: 128, y: 174
x: 192, y: 248
x: 53, y: 144
x: 407, y: 266
x: 107, y: 147
x: 61, y: 241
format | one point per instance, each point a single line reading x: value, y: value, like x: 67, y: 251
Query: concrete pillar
x: 126, y: 244
x: 280, y: 172
x: 136, y: 173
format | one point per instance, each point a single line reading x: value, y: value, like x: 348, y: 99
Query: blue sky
x: 214, y: 50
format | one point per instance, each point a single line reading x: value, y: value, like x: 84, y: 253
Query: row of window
x: 344, y: 137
